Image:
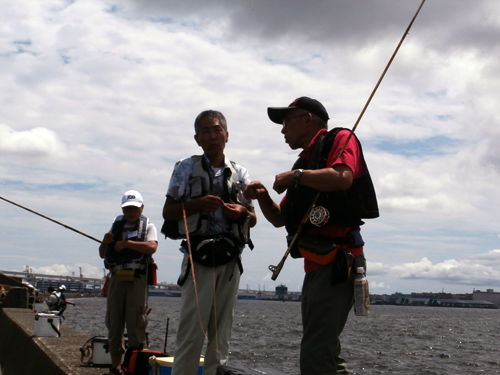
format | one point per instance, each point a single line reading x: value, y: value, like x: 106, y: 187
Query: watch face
x: 296, y: 175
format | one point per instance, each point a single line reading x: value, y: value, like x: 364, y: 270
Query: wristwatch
x: 297, y: 175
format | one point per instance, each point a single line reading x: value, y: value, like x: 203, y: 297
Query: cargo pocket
x: 142, y: 318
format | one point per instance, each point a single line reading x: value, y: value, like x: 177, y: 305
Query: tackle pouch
x: 125, y: 275
x: 318, y: 249
x: 342, y: 266
x: 152, y: 267
x: 213, y: 252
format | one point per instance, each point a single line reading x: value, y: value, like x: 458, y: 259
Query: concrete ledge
x: 22, y: 353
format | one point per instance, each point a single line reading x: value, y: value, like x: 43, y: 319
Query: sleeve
x: 244, y: 177
x: 351, y: 155
x: 178, y: 185
x: 283, y: 200
x: 151, y: 234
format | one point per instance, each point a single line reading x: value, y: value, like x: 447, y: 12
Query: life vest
x: 200, y: 183
x: 135, y: 259
x: 346, y: 207
x: 54, y: 305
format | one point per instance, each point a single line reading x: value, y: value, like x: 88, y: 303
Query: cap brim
x: 277, y: 114
x: 136, y: 204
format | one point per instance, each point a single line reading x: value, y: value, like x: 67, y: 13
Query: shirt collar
x: 226, y: 161
x: 307, y: 153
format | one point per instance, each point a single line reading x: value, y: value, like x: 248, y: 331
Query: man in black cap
x: 338, y: 182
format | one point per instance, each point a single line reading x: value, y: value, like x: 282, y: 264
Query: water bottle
x: 361, y: 293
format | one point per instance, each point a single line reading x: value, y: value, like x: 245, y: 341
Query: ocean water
x: 402, y: 340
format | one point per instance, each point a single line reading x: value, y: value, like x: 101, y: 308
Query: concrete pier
x: 23, y: 353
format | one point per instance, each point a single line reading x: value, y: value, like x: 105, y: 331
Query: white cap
x: 132, y: 198
x: 62, y: 287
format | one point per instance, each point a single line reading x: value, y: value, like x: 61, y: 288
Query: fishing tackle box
x: 100, y: 350
x: 47, y: 325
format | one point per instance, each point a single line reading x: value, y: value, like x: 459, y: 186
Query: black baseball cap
x: 277, y: 114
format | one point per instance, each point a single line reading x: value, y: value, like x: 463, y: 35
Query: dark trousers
x: 325, y: 309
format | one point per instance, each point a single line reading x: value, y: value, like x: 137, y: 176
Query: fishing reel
x: 319, y: 216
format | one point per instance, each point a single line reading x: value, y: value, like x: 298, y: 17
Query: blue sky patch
x: 437, y: 94
x: 438, y: 145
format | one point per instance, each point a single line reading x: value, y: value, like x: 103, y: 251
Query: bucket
x: 163, y: 366
x: 47, y: 325
x: 100, y: 350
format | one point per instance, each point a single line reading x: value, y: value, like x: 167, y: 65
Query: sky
x: 99, y: 97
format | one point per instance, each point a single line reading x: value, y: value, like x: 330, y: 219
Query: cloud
x: 376, y: 285
x: 481, y: 269
x: 34, y: 143
x: 68, y: 270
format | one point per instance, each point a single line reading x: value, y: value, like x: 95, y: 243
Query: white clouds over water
x: 100, y: 97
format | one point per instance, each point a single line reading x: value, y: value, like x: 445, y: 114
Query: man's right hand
x: 108, y: 238
x: 271, y: 210
x: 255, y: 190
x: 209, y: 203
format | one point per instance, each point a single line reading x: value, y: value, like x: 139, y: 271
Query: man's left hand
x: 120, y: 245
x: 234, y: 211
x: 283, y: 181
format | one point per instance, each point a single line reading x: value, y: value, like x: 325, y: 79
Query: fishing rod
x: 166, y: 337
x: 277, y: 269
x: 190, y: 252
x: 48, y: 218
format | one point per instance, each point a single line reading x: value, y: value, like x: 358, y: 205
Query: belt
x: 128, y: 266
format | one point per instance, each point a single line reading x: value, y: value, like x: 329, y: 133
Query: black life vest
x: 346, y: 207
x: 112, y: 257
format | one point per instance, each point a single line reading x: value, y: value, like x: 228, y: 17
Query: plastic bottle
x: 361, y: 293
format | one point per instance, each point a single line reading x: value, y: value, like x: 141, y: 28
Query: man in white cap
x: 127, y: 251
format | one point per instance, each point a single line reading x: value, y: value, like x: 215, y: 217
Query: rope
x: 192, y: 268
x: 215, y: 311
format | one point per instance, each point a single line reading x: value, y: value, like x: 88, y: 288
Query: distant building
x: 442, y: 295
x: 489, y: 295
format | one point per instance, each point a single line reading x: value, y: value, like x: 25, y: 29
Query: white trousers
x: 217, y: 289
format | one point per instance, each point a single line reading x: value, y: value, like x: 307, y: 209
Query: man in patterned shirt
x: 210, y: 190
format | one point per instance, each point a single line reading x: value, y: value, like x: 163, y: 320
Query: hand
x: 234, y: 211
x: 255, y: 190
x: 283, y: 181
x: 209, y: 203
x: 108, y: 238
x: 120, y: 245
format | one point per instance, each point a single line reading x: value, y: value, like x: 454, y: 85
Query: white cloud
x: 67, y: 270
x: 480, y: 269
x: 375, y: 285
x: 36, y: 142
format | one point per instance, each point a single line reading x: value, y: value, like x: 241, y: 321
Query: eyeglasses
x: 288, y: 118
